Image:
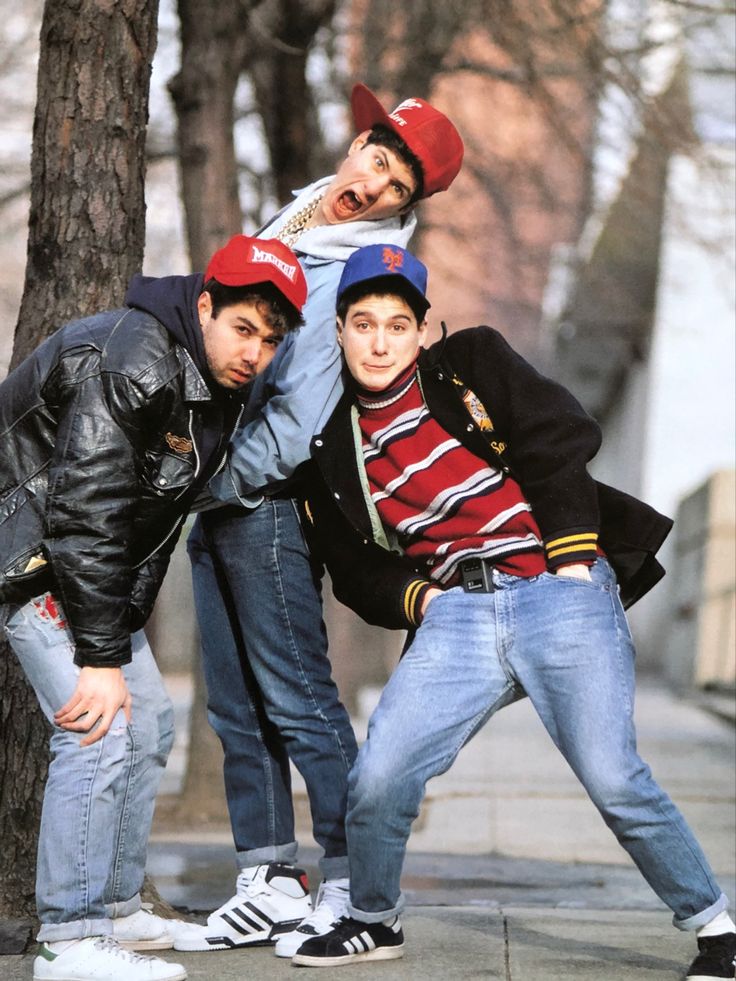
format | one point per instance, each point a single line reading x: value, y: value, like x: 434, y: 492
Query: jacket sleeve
x: 551, y: 440
x: 291, y: 401
x: 92, y: 494
x: 378, y: 585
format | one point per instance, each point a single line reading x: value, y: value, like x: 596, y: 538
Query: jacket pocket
x: 165, y: 474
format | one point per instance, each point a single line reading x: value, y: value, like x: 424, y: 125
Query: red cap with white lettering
x: 428, y: 133
x: 248, y: 261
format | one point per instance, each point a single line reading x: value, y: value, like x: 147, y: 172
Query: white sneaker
x: 102, y: 959
x: 270, y: 900
x: 330, y: 905
x: 143, y: 930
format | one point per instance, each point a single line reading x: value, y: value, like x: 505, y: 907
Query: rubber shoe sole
x: 379, y: 954
x: 264, y: 938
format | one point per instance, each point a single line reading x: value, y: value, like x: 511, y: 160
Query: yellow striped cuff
x: 411, y: 595
x: 572, y: 547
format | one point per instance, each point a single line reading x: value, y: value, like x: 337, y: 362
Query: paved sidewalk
x: 511, y: 873
x: 464, y: 942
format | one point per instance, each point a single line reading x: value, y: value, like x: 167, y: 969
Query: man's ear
x: 423, y: 327
x: 338, y: 324
x: 359, y: 142
x: 204, y: 307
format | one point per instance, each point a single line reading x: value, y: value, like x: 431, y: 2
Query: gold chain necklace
x: 298, y: 222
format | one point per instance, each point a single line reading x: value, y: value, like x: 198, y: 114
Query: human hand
x: 428, y: 597
x: 100, y: 692
x: 575, y: 570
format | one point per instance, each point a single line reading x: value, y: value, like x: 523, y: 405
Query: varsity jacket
x: 498, y: 406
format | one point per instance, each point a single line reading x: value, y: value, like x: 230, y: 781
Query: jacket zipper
x: 177, y: 524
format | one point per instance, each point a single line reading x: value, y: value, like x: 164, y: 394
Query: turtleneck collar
x: 371, y: 401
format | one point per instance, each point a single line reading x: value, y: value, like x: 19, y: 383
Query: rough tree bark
x: 86, y: 236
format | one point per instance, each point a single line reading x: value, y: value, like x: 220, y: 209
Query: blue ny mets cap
x: 384, y: 262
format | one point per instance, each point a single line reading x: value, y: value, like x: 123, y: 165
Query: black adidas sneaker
x: 715, y: 960
x: 350, y: 941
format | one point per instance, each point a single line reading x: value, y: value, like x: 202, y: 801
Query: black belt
x: 477, y: 575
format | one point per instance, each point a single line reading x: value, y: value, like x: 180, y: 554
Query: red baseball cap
x: 427, y: 132
x: 247, y: 261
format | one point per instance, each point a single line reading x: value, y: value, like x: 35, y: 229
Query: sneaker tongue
x: 335, y: 893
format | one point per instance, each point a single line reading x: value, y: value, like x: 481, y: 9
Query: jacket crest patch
x: 179, y: 444
x: 477, y: 411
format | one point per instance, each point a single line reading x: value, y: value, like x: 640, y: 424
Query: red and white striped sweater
x: 444, y: 503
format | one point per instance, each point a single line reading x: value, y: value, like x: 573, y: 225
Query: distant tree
x: 86, y: 236
x: 267, y: 42
x: 214, y: 36
x: 283, y: 33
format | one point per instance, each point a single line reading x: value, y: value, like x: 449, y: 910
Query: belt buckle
x: 477, y: 576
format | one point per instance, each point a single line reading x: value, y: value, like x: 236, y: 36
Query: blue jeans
x: 271, y: 696
x: 563, y: 642
x: 99, y: 799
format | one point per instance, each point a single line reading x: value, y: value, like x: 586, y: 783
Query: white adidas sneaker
x: 270, y: 900
x: 102, y: 959
x: 330, y: 905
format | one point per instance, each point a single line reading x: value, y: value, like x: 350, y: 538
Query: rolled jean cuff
x: 705, y: 916
x: 334, y: 867
x: 363, y: 917
x: 74, y: 930
x: 125, y: 908
x: 286, y: 854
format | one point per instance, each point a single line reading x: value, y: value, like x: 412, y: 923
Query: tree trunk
x: 283, y: 32
x: 213, y: 42
x: 218, y: 38
x: 86, y: 235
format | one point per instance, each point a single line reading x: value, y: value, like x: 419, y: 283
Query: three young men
x: 108, y: 431
x: 451, y: 496
x: 271, y: 697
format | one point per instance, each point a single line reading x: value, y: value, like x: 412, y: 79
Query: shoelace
x: 251, y: 887
x: 329, y: 906
x: 109, y: 945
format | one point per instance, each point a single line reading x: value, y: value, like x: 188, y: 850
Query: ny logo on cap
x: 392, y: 260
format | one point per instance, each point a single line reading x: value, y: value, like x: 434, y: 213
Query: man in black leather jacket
x: 107, y: 433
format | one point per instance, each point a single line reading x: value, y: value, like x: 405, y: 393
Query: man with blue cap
x: 450, y: 497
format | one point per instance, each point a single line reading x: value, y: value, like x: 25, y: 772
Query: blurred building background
x: 593, y: 223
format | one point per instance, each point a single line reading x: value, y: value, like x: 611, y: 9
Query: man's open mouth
x: 350, y: 201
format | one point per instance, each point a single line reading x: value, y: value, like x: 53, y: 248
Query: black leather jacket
x: 100, y: 431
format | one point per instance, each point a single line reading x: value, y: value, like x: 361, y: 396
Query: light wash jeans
x: 563, y: 642
x: 270, y: 693
x: 98, y: 802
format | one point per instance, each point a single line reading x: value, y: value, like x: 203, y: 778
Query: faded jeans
x: 270, y: 693
x: 566, y: 644
x: 99, y: 799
